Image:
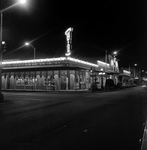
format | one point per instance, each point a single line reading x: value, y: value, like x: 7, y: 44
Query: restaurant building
x: 63, y: 73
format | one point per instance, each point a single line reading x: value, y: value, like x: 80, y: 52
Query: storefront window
x: 32, y: 81
x: 63, y: 82
x: 49, y: 81
x: 27, y: 81
x: 77, y: 79
x: 19, y: 81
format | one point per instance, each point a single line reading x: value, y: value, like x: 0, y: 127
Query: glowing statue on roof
x: 68, y: 34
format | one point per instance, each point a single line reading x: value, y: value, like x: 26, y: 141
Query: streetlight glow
x: 27, y: 43
x: 22, y: 1
x: 115, y: 53
x: 3, y: 42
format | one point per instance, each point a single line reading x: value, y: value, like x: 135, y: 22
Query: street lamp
x: 135, y: 70
x: 3, y: 47
x: 28, y: 44
x: 22, y: 1
x: 102, y: 73
x: 115, y: 53
x: 142, y: 74
x: 1, y: 39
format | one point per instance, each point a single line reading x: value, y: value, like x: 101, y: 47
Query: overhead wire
x: 31, y: 41
x: 95, y: 46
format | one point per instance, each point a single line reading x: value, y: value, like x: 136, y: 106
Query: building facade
x: 64, y: 73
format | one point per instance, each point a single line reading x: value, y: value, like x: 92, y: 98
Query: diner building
x: 63, y: 73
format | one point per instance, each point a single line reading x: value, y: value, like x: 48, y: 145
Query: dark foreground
x: 73, y: 120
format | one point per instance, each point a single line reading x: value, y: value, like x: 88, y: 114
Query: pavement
x: 71, y: 120
x: 78, y: 90
x: 144, y: 139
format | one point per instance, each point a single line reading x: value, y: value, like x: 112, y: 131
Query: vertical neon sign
x: 68, y: 34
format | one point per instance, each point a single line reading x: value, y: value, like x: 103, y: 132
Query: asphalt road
x: 73, y: 120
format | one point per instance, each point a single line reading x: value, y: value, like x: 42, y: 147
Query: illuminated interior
x: 62, y: 73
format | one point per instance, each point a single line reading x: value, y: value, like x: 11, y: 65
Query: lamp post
x: 102, y: 73
x: 115, y: 53
x: 28, y: 44
x: 135, y: 70
x: 115, y: 63
x: 1, y: 39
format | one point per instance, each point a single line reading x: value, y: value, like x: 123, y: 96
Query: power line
x: 31, y: 41
x: 128, y: 45
x: 95, y: 46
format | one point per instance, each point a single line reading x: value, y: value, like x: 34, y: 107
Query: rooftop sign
x: 68, y: 34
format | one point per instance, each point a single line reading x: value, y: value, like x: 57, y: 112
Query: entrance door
x: 63, y: 82
x: 72, y: 80
x: 8, y: 82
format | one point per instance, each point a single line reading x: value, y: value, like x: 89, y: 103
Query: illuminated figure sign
x: 113, y: 63
x: 68, y: 34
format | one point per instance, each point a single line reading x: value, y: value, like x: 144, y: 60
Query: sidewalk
x: 76, y: 90
x: 144, y: 139
x: 53, y: 91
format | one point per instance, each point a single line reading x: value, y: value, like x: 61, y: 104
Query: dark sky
x: 112, y: 25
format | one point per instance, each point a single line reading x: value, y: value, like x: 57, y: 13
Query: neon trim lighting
x: 127, y: 72
x: 82, y: 62
x: 34, y: 61
x: 101, y: 62
x: 68, y: 54
x: 49, y: 60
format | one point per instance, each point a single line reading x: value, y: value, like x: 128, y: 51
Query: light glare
x: 3, y: 42
x: 22, y: 1
x: 115, y: 53
x: 27, y: 43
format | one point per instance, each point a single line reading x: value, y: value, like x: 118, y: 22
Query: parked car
x: 132, y: 84
x: 124, y: 85
x: 120, y: 86
x: 128, y: 84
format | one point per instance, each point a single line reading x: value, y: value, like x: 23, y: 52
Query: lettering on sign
x: 68, y: 34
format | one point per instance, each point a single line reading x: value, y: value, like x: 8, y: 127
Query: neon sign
x: 68, y: 34
x: 49, y: 60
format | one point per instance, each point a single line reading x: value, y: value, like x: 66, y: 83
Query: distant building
x: 136, y: 74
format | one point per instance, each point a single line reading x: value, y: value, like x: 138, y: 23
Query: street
x: 73, y: 120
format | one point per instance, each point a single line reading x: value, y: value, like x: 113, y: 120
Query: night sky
x: 112, y: 25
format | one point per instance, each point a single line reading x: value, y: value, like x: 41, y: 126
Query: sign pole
x: 68, y: 34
